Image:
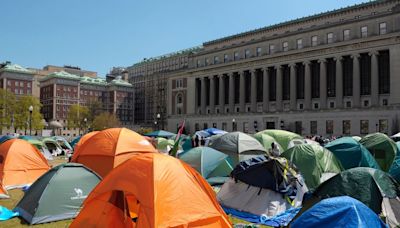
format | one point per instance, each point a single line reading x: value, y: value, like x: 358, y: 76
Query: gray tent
x: 58, y: 194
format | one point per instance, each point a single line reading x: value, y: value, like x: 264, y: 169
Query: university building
x: 334, y: 73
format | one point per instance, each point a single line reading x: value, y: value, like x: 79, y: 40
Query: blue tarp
x: 215, y: 131
x: 6, y: 214
x: 342, y: 211
x: 282, y: 219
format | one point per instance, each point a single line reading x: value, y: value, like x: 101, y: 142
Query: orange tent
x: 20, y: 163
x: 82, y: 140
x: 152, y: 190
x: 3, y: 193
x: 109, y: 148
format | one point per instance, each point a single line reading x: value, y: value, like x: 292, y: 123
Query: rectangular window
x: 313, y: 127
x: 382, y: 28
x: 247, y: 54
x: 329, y: 38
x: 300, y: 81
x: 364, y: 31
x: 383, y: 126
x: 245, y: 127
x: 272, y: 83
x: 216, y: 59
x: 365, y: 74
x: 271, y: 48
x: 346, y: 34
x: 298, y: 128
x: 285, y: 46
x: 384, y: 72
x: 331, y: 77
x: 314, y: 41
x: 364, y: 127
x: 329, y: 127
x: 347, y: 64
x: 207, y: 61
x: 226, y: 58
x: 198, y: 63
x: 286, y: 82
x: 236, y: 55
x: 315, y: 79
x: 224, y: 126
x: 346, y: 127
x: 299, y: 43
x: 258, y: 50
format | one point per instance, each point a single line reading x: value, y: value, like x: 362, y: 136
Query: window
x: 179, y: 99
x: 313, y: 127
x: 207, y: 61
x: 316, y: 105
x: 299, y: 43
x: 198, y: 63
x: 298, y: 128
x: 329, y: 127
x: 382, y: 28
x: 331, y: 104
x: 364, y: 31
x: 258, y: 50
x: 348, y: 104
x: 383, y: 126
x: 226, y: 58
x: 301, y: 106
x: 224, y: 126
x: 285, y: 46
x: 314, y: 41
x: 346, y: 34
x: 384, y: 102
x: 247, y: 54
x: 366, y: 103
x: 179, y: 83
x: 271, y: 48
x: 329, y: 38
x: 364, y: 127
x: 236, y: 55
x: 346, y: 127
x: 216, y: 59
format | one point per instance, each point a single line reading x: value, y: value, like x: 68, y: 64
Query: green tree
x: 105, y: 120
x: 7, y: 108
x: 76, y: 116
x: 95, y: 108
x: 22, y: 114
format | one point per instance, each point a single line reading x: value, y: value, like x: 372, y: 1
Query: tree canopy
x: 105, y: 120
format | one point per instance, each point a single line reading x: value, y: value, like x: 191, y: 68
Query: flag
x: 174, y: 149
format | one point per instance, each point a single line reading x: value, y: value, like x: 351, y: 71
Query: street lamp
x: 233, y: 124
x: 84, y: 126
x: 30, y: 119
x: 158, y: 119
x: 155, y: 125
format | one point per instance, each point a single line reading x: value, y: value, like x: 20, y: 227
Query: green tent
x: 161, y: 133
x: 281, y: 136
x: 266, y: 141
x: 53, y: 146
x: 351, y: 153
x: 211, y: 164
x: 365, y: 184
x: 58, y: 194
x: 395, y: 168
x: 382, y: 147
x: 162, y: 143
x: 238, y: 146
x: 315, y: 163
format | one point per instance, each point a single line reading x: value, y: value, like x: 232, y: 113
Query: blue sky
x: 99, y: 34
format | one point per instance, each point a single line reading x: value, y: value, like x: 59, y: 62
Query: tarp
x: 58, y: 194
x: 315, y: 163
x: 367, y: 185
x: 208, y: 162
x: 238, y: 146
x: 20, y: 163
x: 281, y: 136
x: 159, y: 190
x: 215, y: 131
x: 108, y: 148
x: 351, y: 153
x: 160, y: 133
x: 395, y: 168
x: 382, y: 148
x: 341, y: 211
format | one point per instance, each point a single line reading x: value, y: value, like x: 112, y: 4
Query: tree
x: 22, y: 115
x: 7, y: 108
x: 95, y: 108
x: 76, y: 116
x: 105, y: 120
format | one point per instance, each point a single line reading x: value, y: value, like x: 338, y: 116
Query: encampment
x: 281, y: 136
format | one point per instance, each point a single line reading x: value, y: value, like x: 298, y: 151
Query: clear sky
x: 99, y: 34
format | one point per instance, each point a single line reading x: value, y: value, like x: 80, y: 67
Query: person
x: 196, y: 141
x: 274, y: 151
x: 202, y: 141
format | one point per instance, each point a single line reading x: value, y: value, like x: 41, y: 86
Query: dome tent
x: 281, y: 136
x: 382, y: 148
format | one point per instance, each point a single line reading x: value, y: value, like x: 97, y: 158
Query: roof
x: 118, y: 81
x: 16, y: 68
x: 96, y: 81
x: 61, y: 74
x: 298, y: 20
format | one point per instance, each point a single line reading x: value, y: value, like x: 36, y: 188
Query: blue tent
x: 6, y: 137
x: 351, y: 153
x: 160, y: 133
x: 395, y: 168
x: 342, y: 211
x: 215, y: 131
x: 75, y: 141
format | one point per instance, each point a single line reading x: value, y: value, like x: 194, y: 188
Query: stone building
x: 334, y: 73
x: 16, y: 79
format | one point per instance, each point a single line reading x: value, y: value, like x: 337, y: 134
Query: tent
x: 75, y: 141
x: 382, y: 148
x: 164, y: 145
x: 20, y: 163
x: 211, y: 164
x: 152, y: 190
x: 108, y: 148
x: 160, y: 133
x: 395, y: 167
x: 215, y: 131
x: 3, y: 193
x: 6, y: 137
x: 267, y: 141
x: 281, y: 136
x: 42, y: 148
x: 53, y: 146
x: 351, y: 153
x: 340, y: 211
x: 58, y: 194
x: 63, y: 142
x: 367, y: 185
x: 357, y: 138
x: 315, y: 163
x: 83, y: 139
x: 238, y: 146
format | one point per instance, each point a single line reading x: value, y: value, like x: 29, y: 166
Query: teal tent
x: 211, y: 164
x: 351, y: 153
x: 238, y: 146
x: 58, y: 194
x: 395, y: 168
x: 160, y: 133
x: 6, y: 137
x: 382, y: 148
x: 75, y: 141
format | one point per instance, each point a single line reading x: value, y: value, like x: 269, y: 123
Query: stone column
x: 231, y: 93
x: 307, y: 85
x: 242, y: 91
x: 253, y: 91
x: 279, y: 88
x: 293, y: 81
x: 322, y: 84
x: 203, y: 95
x: 265, y: 90
x: 339, y: 82
x: 356, y: 80
x: 374, y: 78
x: 212, y: 94
x: 221, y: 93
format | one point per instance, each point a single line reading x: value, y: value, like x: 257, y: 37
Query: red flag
x: 180, y: 130
x: 174, y: 149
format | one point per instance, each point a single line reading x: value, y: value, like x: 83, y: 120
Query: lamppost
x: 159, y: 120
x: 155, y: 125
x: 84, y: 125
x: 233, y: 124
x: 30, y: 119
